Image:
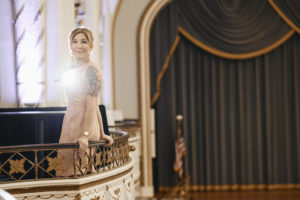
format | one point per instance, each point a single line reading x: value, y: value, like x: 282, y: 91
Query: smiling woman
x: 82, y: 121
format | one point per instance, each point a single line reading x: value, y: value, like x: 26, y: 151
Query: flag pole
x: 179, y: 122
x: 180, y: 150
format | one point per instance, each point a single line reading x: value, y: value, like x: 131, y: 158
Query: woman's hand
x: 109, y: 139
x: 83, y: 145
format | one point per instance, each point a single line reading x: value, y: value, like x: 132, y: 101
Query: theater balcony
x: 104, y: 172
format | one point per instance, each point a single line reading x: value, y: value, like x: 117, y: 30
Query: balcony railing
x: 41, y: 161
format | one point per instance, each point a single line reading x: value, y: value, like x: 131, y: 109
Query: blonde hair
x: 87, y: 32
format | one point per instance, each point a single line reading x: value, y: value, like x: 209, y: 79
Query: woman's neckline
x: 82, y: 64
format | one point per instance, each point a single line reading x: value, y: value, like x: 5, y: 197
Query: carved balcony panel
x: 104, y: 172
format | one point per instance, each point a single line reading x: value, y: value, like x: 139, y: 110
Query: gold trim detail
x: 77, y: 197
x: 43, y: 156
x: 17, y: 166
x: 67, y: 187
x: 235, y: 56
x: 55, y: 164
x: 284, y: 17
x: 98, y: 159
x: 237, y: 187
x: 213, y: 51
x: 96, y: 198
x: 164, y: 69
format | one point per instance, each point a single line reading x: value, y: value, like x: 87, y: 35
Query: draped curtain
x: 232, y: 69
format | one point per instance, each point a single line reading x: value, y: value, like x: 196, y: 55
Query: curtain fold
x: 289, y: 11
x: 232, y: 26
x: 241, y: 117
x: 168, y: 27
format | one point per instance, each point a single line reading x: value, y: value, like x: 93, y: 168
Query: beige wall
x: 125, y: 56
x: 59, y: 22
x: 7, y: 68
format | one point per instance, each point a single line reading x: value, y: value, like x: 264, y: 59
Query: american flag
x: 180, y: 149
x: 180, y: 152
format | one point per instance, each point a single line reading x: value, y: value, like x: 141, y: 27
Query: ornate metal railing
x: 41, y: 161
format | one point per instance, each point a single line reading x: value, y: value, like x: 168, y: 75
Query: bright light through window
x: 30, y: 76
x: 70, y: 78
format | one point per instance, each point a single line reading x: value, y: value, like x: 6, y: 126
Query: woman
x: 82, y: 121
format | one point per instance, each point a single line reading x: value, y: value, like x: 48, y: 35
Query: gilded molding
x: 17, y: 166
x: 237, y: 187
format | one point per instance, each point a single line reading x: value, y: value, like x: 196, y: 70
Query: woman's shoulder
x: 92, y: 64
x: 93, y: 69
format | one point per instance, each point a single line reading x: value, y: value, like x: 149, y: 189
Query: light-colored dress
x: 74, y: 118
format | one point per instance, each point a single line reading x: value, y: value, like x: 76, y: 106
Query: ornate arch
x: 143, y: 43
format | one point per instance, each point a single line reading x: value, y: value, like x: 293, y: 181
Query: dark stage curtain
x: 289, y: 12
x: 232, y: 26
x: 234, y: 75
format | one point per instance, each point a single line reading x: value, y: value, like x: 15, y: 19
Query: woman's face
x: 80, y: 47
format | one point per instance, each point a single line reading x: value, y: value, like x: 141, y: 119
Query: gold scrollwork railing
x: 40, y: 161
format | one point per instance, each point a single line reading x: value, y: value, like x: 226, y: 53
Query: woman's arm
x: 93, y: 85
x: 102, y: 134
